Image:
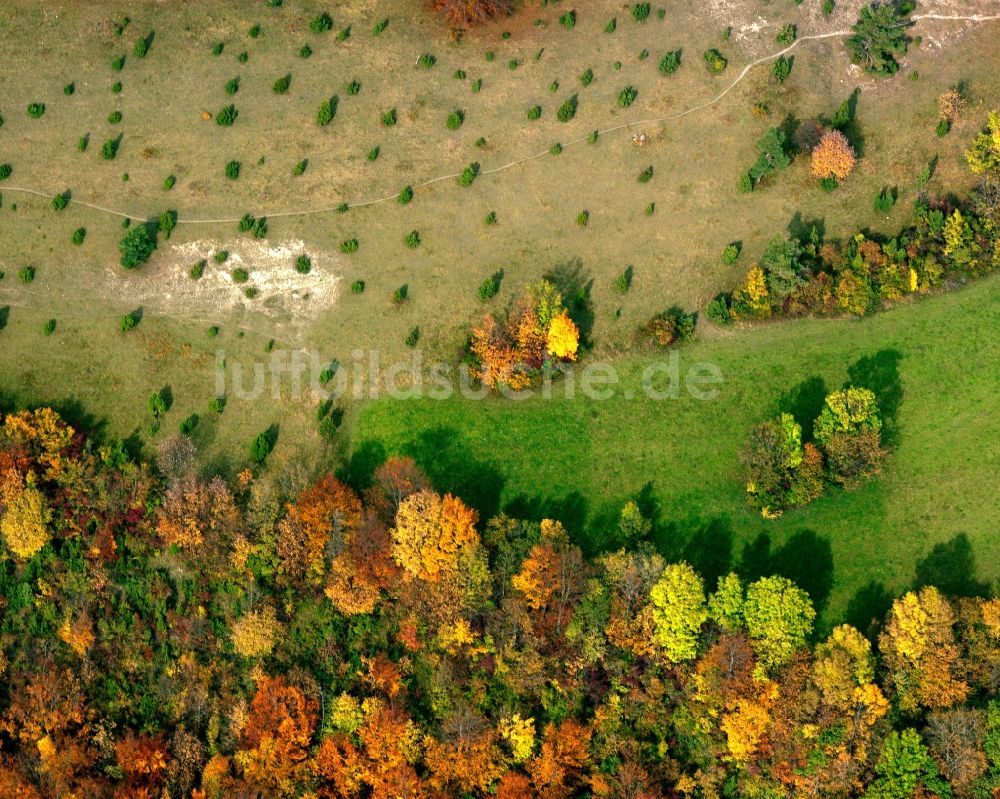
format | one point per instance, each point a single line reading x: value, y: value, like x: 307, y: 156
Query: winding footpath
x: 977, y: 18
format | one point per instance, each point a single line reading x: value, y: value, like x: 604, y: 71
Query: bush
x: 401, y: 295
x: 583, y: 218
x: 343, y: 208
x: 490, y: 55
x: 240, y: 275
x: 282, y: 84
x: 221, y: 256
x: 469, y: 174
x: 212, y: 331
x: 196, y: 271
x: 49, y: 327
x: 357, y: 287
x: 643, y: 55
x: 592, y: 137
x: 718, y: 310
x: 128, y: 322
x: 344, y: 34
x: 412, y: 239
x: 305, y: 51
x: 167, y: 222
x: 118, y: 63
x: 389, y: 117
x: 879, y: 36
x: 715, y: 61
x: 555, y: 149
x: 828, y: 184
x: 243, y: 57
x: 188, y: 425
x: 379, y: 27
x: 627, y: 96
x: 488, y: 289
x: 26, y: 274
x: 745, y: 183
x: 217, y: 48
x: 5, y: 171
x: 554, y: 86
x: 69, y: 89
x: 169, y: 182
x: 646, y: 175
x: 142, y: 45
x: 611, y: 26
x: 217, y: 404
x: 412, y: 337
x: 116, y: 88
x: 35, y: 110
x: 587, y: 77
x: 303, y: 264
x: 567, y: 110
x: 481, y: 141
x: 477, y: 85
x: 327, y: 111
x: 250, y: 292
x: 455, y: 120
x: 426, y: 60
x: 82, y: 143
x: 353, y: 88
x: 135, y: 247
x: 943, y: 127
x: 786, y: 35
x: 624, y: 280
x: 405, y: 195
x: 246, y: 223
x: 321, y: 24
x: 349, y: 246
x: 254, y: 31
x: 373, y: 153
x: 730, y: 253
x: 114, y: 117
x: 260, y: 448
x: 650, y: 209
x: 513, y: 64
x: 568, y: 20
x: 534, y: 112
x: 232, y: 86
x: 491, y: 218
x: 670, y: 62
x: 828, y: 6
x: 640, y: 12
x: 233, y: 170
x: 60, y: 201
x: 227, y: 116
x: 259, y: 229
x: 300, y: 168
x: 885, y: 200
x: 79, y: 235
x: 459, y: 74
x: 672, y: 326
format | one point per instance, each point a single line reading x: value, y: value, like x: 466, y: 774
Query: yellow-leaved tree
x: 563, y: 338
x: 26, y: 516
x: 430, y: 533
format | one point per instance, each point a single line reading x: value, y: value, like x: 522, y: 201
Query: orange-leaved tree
x: 833, y: 157
x: 430, y: 533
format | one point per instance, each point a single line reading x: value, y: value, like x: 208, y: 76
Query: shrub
x: 212, y: 331
x: 592, y: 137
x: 167, y: 222
x: 718, y: 310
x: 250, y: 292
x: 568, y: 20
x: 379, y: 27
x: 217, y: 48
x: 554, y: 86
x: 670, y: 62
x: 491, y: 218
x: 240, y: 275
x: 488, y: 289
x: 885, y: 200
x: 646, y: 175
x: 116, y: 88
x: 26, y: 274
x: 611, y: 26
x: 412, y: 337
x: 745, y: 183
x: 490, y: 55
x: 35, y: 110
x: 217, y: 404
x: 246, y: 223
x: 715, y: 61
x: 321, y: 24
x: 349, y: 246
x: 828, y: 6
x: 943, y: 127
x: 343, y: 208
x: 303, y: 264
x: 534, y: 112
x: 555, y: 149
x: 260, y: 448
x: 477, y: 85
x: 481, y: 141
x: 243, y: 57
x: 227, y: 116
x: 786, y: 35
x: 730, y: 253
x: 197, y: 270
x: 587, y: 77
x: 233, y: 170
x: 389, y: 117
x: 344, y: 34
x: 49, y: 327
x: 188, y: 425
x: 300, y: 168
x: 455, y: 120
x: 643, y: 55
x: 781, y: 68
x: 627, y: 96
x: 373, y: 153
x: 127, y: 322
x: 357, y: 287
x: 79, y: 235
x: 5, y: 171
x: 305, y: 51
x: 459, y: 74
x: 412, y: 239
x: 353, y: 88
x: 327, y: 111
x: 169, y: 182
x: 142, y: 45
x: 405, y: 195
x: 401, y: 295
x: 640, y: 12
x: 672, y: 326
x: 69, y: 88
x: 114, y: 117
x: 650, y: 209
x: 567, y: 110
x: 469, y: 174
x: 221, y: 256
x: 118, y: 63
x: 513, y: 64
x: 60, y: 201
x: 82, y: 142
x: 833, y: 156
x: 426, y: 60
x: 135, y: 247
x: 583, y: 218
x: 624, y: 280
x: 232, y: 86
x: 282, y: 84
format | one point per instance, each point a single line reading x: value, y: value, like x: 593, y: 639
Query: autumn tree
x: 24, y: 516
x: 779, y: 617
x: 833, y: 157
x: 463, y: 14
x: 551, y: 578
x: 678, y: 599
x: 255, y: 633
x: 983, y: 154
x: 430, y: 534
x: 950, y: 105
x: 193, y: 511
x: 630, y: 578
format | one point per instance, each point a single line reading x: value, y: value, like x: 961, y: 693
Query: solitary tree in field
x: 470, y: 13
x: 833, y: 157
x: 878, y: 38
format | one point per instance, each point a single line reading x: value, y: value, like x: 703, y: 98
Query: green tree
x: 136, y: 246
x: 779, y: 617
x: 167, y: 222
x: 905, y: 769
x: 260, y: 448
x: 725, y: 606
x: 878, y: 37
x: 678, y: 611
x: 632, y: 525
x: 771, y: 154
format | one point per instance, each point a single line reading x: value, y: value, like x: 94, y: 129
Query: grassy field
x: 931, y: 517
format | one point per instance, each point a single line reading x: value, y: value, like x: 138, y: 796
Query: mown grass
x: 932, y: 363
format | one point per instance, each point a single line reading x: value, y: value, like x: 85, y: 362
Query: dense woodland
x: 168, y: 634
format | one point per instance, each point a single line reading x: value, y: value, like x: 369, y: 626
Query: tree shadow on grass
x: 805, y: 402
x: 575, y: 286
x: 880, y: 373
x: 359, y: 469
x: 868, y: 608
x: 571, y: 509
x: 950, y: 566
x: 805, y: 558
